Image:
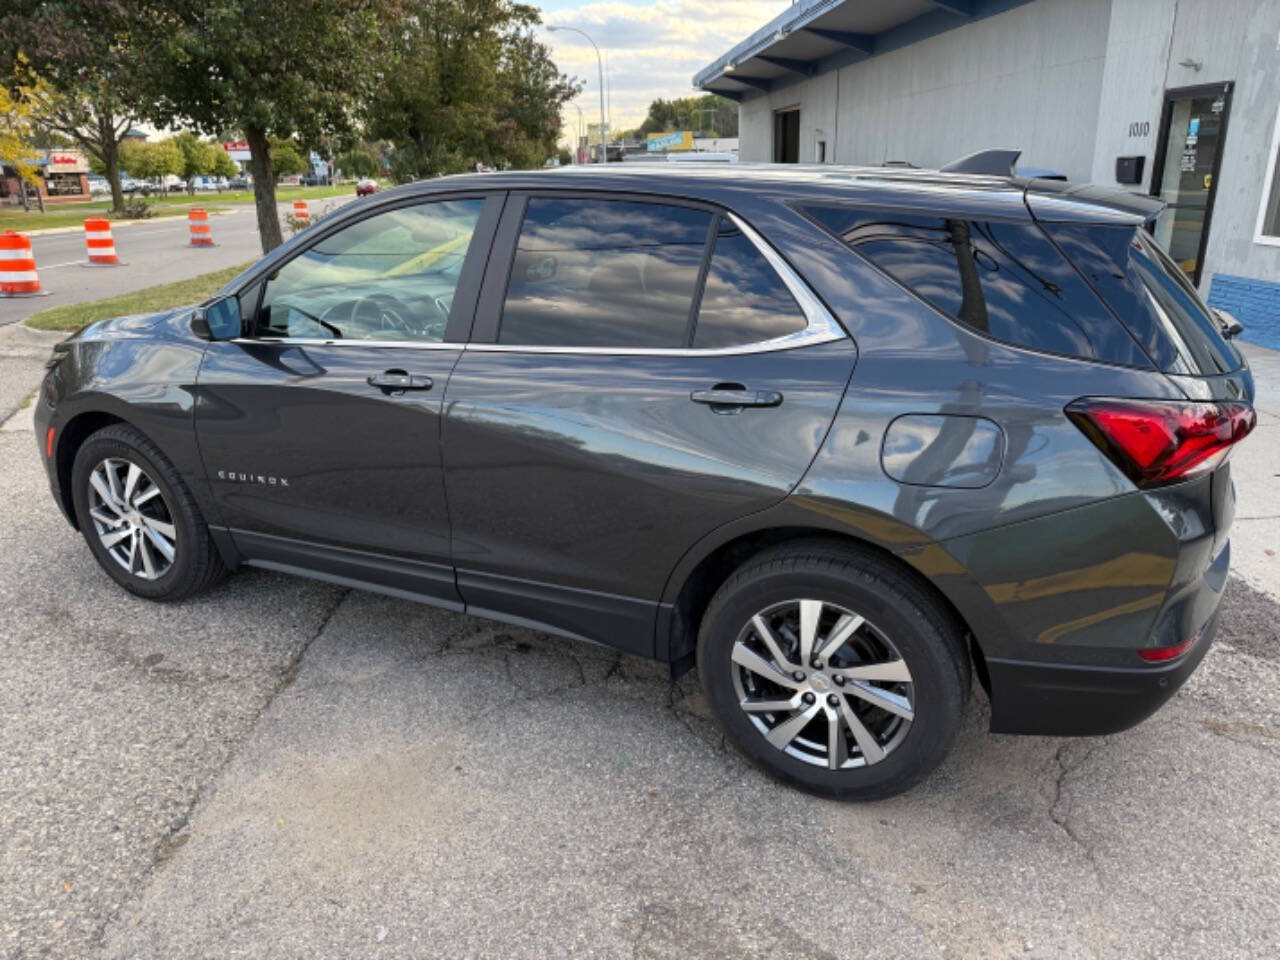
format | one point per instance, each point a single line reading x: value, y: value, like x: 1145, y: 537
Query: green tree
x: 463, y: 82
x: 362, y: 160
x: 708, y: 113
x: 271, y: 70
x: 286, y: 158
x: 16, y: 134
x: 198, y: 157
x: 223, y: 165
x: 153, y: 161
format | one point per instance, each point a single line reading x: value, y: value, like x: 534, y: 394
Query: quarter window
x: 603, y: 273
x: 1002, y: 279
x: 388, y: 277
x: 744, y: 300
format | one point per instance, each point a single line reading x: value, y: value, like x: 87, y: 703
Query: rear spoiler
x: 1052, y: 198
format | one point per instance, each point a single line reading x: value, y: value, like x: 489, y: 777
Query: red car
x: 365, y: 187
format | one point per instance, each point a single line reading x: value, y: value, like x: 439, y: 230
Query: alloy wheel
x: 822, y: 684
x: 132, y: 519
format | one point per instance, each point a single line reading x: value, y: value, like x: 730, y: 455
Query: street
x: 282, y: 768
x: 152, y: 251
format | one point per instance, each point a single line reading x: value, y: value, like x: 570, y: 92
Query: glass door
x: 1193, y: 129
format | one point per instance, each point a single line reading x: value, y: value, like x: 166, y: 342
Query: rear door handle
x: 735, y: 395
x: 396, y: 380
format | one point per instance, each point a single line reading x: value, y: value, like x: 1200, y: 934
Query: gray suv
x: 844, y: 438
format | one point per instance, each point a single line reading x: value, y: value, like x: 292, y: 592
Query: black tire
x: 196, y: 564
x: 897, y: 606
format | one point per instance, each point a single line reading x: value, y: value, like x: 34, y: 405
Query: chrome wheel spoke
x: 884, y: 699
x: 845, y: 628
x: 148, y: 565
x: 768, y: 638
x: 160, y: 542
x: 109, y: 540
x: 130, y: 482
x: 103, y: 490
x: 810, y: 614
x: 159, y: 526
x: 744, y: 656
x: 102, y: 517
x: 890, y: 671
x: 141, y: 498
x: 761, y: 705
x: 872, y: 752
x: 782, y: 735
x: 837, y: 743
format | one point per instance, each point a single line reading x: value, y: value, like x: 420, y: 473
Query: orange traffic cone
x: 18, y: 276
x: 97, y: 239
x: 302, y: 213
x: 201, y: 232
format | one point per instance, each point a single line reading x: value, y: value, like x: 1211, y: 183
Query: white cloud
x: 653, y: 49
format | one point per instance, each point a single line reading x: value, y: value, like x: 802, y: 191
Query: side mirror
x: 1227, y: 323
x: 219, y: 320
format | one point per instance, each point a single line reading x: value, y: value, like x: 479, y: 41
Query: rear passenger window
x: 604, y: 273
x: 1150, y: 294
x: 1003, y: 279
x: 744, y: 300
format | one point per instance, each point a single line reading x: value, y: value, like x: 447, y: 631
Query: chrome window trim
x: 820, y: 326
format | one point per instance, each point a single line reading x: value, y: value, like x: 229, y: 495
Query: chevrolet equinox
x: 842, y: 437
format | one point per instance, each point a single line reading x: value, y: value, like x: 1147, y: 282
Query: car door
x: 320, y: 426
x: 642, y: 371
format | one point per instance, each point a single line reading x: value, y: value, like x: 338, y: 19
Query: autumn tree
x: 16, y: 134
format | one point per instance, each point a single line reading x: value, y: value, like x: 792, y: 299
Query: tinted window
x: 744, y: 300
x: 1002, y: 279
x: 1150, y: 294
x: 603, y: 273
x: 387, y: 277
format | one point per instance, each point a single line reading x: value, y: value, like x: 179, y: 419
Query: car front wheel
x: 834, y: 669
x: 139, y: 519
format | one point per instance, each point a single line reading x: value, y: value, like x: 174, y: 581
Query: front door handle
x: 728, y: 396
x: 394, y: 381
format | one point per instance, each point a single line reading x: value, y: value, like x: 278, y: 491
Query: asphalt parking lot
x: 286, y: 769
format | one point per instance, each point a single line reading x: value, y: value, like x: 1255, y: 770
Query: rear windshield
x: 1003, y: 279
x: 1150, y: 294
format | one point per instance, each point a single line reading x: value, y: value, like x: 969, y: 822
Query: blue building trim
x: 947, y: 15
x: 1255, y: 303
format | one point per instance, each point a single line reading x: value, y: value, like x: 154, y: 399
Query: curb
x: 118, y: 224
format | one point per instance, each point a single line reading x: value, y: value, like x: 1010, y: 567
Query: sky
x: 653, y: 48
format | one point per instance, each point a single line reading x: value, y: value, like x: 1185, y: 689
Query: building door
x: 1192, y: 131
x: 786, y: 136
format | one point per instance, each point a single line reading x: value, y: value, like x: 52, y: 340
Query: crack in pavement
x: 174, y: 837
x: 1059, y: 809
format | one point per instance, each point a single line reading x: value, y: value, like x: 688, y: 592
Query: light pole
x: 577, y: 145
x: 604, y: 127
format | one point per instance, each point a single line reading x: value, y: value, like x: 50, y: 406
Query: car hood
x: 135, y: 325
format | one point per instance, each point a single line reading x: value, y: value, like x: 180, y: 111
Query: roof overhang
x: 815, y: 36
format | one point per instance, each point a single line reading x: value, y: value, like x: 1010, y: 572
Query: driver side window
x: 387, y: 277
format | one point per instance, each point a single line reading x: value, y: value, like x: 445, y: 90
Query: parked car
x: 365, y: 187
x: 844, y: 442
x: 240, y: 182
x: 316, y: 180
x: 98, y: 186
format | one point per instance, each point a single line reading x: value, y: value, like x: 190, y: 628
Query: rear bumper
x: 1064, y: 700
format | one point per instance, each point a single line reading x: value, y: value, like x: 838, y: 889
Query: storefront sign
x: 66, y: 161
x: 680, y: 140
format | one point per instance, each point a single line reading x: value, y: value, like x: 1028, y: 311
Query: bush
x: 135, y: 209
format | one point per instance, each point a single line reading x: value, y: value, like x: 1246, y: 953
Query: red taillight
x: 1159, y: 441
x: 48, y: 443
x: 1162, y: 654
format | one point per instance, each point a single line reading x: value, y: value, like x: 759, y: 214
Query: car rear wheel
x: 139, y: 518
x: 834, y: 669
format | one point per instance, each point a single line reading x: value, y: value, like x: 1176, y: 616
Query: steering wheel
x: 382, y: 313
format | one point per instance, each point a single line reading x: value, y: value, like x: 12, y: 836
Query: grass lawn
x: 170, y: 205
x: 147, y: 300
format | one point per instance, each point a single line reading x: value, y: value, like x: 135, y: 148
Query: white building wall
x: 1028, y: 78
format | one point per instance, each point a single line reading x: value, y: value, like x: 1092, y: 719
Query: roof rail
x: 990, y: 163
